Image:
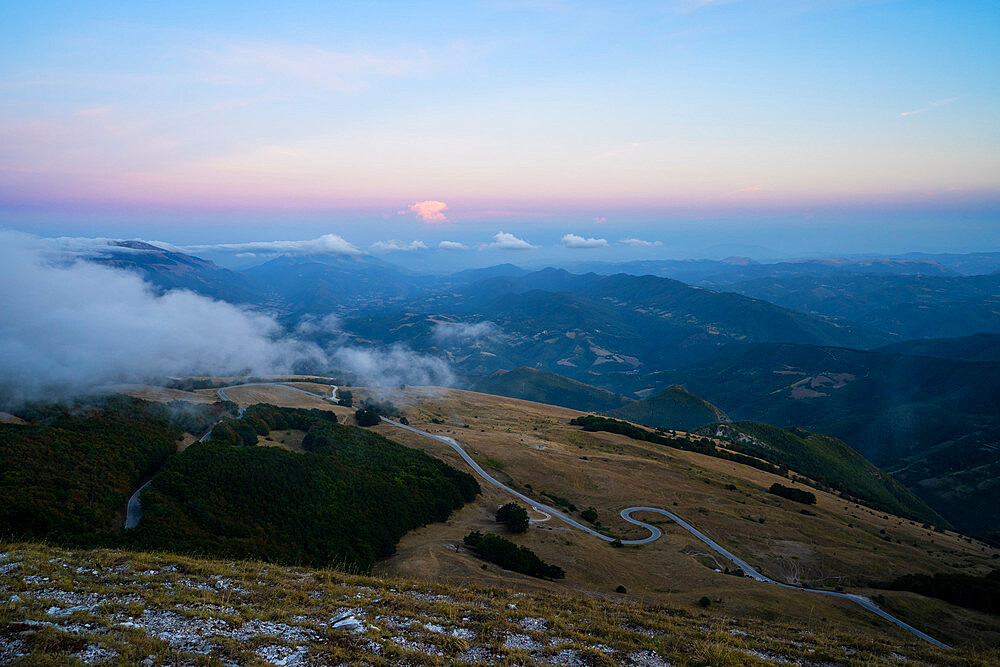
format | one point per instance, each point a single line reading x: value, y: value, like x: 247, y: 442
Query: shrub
x: 590, y: 514
x: 621, y: 589
x: 704, y: 602
x: 798, y: 495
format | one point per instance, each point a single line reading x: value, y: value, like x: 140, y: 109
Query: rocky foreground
x: 114, y: 607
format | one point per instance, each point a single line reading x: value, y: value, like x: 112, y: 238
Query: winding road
x: 626, y: 514
x: 655, y: 534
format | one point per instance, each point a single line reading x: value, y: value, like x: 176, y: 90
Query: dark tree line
x: 798, y: 495
x: 594, y: 423
x: 509, y: 556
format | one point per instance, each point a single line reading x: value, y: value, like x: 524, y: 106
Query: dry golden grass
x: 165, y: 395
x: 842, y: 545
x: 279, y: 395
x: 532, y: 447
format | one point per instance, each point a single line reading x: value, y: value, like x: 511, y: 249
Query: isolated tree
x: 514, y: 517
x: 366, y: 417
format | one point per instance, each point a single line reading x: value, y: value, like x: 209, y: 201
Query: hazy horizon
x: 827, y: 128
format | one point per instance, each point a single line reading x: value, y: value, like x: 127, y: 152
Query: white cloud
x: 69, y: 327
x: 429, y: 211
x: 639, y: 243
x: 393, y: 366
x: 446, y: 333
x: 397, y: 245
x: 506, y: 241
x: 328, y: 244
x: 452, y: 245
x: 311, y: 325
x: 574, y: 241
x: 929, y: 106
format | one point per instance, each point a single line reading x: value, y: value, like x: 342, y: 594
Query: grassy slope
x: 673, y: 408
x: 127, y: 607
x: 825, y: 459
x: 532, y: 445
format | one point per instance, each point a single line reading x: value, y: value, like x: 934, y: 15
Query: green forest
x: 345, y: 502
x: 67, y: 474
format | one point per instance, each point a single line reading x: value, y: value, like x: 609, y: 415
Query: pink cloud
x: 429, y: 211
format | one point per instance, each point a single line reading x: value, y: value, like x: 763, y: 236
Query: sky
x: 611, y: 130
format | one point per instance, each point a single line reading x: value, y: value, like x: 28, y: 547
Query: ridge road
x: 626, y: 514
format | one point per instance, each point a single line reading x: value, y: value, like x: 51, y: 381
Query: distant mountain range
x: 612, y: 330
x: 912, y: 306
x: 841, y: 347
x: 718, y: 273
x: 168, y: 270
x: 321, y: 284
x: 978, y: 347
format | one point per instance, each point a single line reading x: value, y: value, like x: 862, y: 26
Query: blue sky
x: 800, y: 126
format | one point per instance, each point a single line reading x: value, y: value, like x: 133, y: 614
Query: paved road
x: 133, y: 512
x: 655, y: 533
x: 626, y: 514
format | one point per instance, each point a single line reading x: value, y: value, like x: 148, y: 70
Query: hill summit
x: 673, y: 408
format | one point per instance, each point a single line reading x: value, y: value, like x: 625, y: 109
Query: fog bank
x: 69, y: 326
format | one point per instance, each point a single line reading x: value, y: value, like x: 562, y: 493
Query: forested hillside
x: 67, y: 473
x: 345, y: 502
